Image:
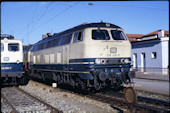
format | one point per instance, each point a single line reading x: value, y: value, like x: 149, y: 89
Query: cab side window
x: 78, y: 36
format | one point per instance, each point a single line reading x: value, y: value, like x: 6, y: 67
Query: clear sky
x: 27, y: 21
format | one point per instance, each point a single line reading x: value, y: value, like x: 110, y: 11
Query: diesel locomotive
x: 89, y: 56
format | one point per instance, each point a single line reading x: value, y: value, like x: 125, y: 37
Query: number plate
x: 113, y: 50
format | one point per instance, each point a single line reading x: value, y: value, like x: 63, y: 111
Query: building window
x: 153, y: 55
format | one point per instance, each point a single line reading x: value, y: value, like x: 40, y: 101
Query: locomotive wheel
x: 97, y: 84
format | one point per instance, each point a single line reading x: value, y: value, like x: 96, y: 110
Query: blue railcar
x: 11, y: 61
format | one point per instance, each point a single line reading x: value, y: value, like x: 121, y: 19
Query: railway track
x: 20, y: 101
x: 117, y: 101
x: 143, y: 104
x: 7, y: 106
x: 113, y: 98
x: 153, y: 95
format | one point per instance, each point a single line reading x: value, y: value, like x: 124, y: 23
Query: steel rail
x: 163, y: 103
x: 6, y: 100
x: 53, y: 109
x: 142, y: 102
x: 121, y: 103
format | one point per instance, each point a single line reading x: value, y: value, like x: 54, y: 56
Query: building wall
x: 165, y: 52
x: 158, y: 65
x: 148, y: 47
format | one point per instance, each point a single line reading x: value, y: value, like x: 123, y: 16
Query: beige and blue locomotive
x: 11, y: 61
x: 91, y: 55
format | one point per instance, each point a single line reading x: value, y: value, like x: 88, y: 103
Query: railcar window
x: 52, y: 43
x: 60, y: 42
x: 78, y: 37
x: 65, y: 39
x: 118, y: 35
x: 13, y: 47
x: 2, y: 47
x: 48, y: 44
x: 100, y: 35
x: 35, y: 47
x: 40, y: 46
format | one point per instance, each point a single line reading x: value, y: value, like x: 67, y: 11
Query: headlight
x: 5, y: 39
x: 97, y: 61
x: 17, y: 61
x: 100, y: 61
x: 122, y: 60
x: 126, y: 60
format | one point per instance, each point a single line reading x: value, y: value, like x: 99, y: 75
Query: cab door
x: 66, y: 54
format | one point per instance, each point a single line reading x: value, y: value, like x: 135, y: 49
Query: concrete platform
x: 152, y: 76
x: 155, y: 86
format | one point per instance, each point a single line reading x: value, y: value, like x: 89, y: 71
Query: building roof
x: 156, y: 33
x: 134, y: 35
x: 6, y: 36
x: 132, y: 39
x: 139, y: 37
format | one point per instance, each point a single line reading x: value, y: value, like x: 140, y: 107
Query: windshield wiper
x: 107, y: 38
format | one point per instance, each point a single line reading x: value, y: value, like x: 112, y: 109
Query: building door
x: 135, y: 60
x: 143, y: 62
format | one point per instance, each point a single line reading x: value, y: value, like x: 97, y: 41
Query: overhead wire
x: 132, y: 6
x: 35, y: 19
x: 53, y: 17
x: 42, y: 14
x: 33, y: 23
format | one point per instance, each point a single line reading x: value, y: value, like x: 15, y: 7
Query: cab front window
x: 100, y: 35
x: 118, y: 35
x: 13, y: 47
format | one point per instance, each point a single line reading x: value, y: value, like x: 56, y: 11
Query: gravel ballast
x: 66, y: 101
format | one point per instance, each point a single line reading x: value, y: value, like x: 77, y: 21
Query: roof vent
x: 54, y: 33
x: 48, y: 34
x: 44, y: 36
x: 3, y: 36
x: 160, y: 33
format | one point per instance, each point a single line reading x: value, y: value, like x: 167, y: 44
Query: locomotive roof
x: 3, y: 36
x: 81, y: 26
x: 86, y: 25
